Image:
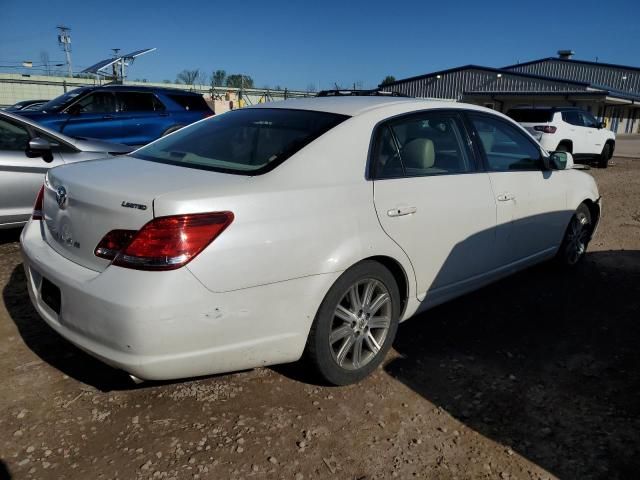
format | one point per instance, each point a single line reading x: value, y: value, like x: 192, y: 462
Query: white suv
x: 569, y: 130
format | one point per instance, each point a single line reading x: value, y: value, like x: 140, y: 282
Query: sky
x: 319, y: 43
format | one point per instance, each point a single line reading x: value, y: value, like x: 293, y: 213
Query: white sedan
x: 308, y: 227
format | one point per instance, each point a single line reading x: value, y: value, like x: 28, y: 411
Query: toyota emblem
x: 61, y: 196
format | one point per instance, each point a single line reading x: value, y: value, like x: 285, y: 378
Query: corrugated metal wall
x: 597, y: 75
x: 453, y: 84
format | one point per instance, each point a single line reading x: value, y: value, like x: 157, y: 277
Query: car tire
x: 603, y: 161
x: 562, y: 147
x: 172, y: 129
x: 344, y: 344
x: 576, y: 238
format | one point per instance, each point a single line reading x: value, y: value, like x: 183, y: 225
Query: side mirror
x: 39, y: 147
x: 560, y: 160
x: 602, y: 124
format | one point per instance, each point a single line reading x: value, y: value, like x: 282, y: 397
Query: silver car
x: 27, y: 151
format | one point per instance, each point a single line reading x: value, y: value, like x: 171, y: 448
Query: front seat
x: 419, y: 154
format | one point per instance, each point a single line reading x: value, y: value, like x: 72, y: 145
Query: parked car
x: 121, y: 113
x: 26, y: 105
x: 27, y: 151
x: 303, y: 227
x: 569, y: 130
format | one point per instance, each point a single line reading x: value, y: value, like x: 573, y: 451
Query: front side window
x: 428, y: 143
x: 572, y: 117
x: 62, y: 101
x: 505, y: 147
x: 588, y: 120
x: 136, y: 102
x: 250, y: 141
x: 13, y: 137
x: 97, y: 102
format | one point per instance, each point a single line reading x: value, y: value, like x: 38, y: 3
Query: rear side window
x: 533, y: 115
x: 505, y: 147
x: 138, y: 102
x: 428, y: 143
x: 250, y: 141
x: 190, y: 102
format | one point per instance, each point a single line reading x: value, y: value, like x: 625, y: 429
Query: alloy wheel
x: 360, y: 324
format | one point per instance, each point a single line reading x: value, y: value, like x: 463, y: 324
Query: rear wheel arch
x: 399, y: 274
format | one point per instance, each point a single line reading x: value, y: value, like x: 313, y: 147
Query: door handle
x: 400, y: 211
x: 108, y: 117
x: 505, y: 197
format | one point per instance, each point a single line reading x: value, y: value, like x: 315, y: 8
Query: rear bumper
x: 167, y: 325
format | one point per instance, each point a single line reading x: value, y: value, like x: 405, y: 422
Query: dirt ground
x: 537, y: 376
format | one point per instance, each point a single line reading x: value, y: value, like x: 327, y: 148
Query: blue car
x: 120, y: 113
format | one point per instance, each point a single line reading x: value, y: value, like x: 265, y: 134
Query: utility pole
x: 64, y: 40
x: 118, y: 67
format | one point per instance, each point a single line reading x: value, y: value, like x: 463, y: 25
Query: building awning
x: 568, y: 96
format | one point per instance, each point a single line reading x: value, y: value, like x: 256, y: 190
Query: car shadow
x: 51, y: 347
x: 10, y: 235
x: 5, y: 474
x: 546, y: 362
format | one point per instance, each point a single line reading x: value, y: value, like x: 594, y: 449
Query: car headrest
x: 419, y: 153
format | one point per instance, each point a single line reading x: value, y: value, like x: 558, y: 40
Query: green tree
x: 238, y: 80
x: 188, y: 77
x: 387, y: 80
x: 218, y: 77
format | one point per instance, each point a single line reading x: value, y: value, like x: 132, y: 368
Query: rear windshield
x: 190, y: 102
x: 250, y: 141
x: 531, y: 115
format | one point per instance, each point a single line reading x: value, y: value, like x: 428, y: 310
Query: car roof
x: 354, y: 105
x: 139, y: 88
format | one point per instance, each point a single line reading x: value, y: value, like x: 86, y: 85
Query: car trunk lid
x: 85, y: 201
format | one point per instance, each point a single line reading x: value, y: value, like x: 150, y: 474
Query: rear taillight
x: 113, y: 242
x: 37, y: 207
x: 165, y: 243
x: 545, y: 128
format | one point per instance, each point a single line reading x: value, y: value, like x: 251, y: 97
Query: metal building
x: 610, y: 92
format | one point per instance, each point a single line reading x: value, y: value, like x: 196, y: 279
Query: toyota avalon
x: 303, y: 228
